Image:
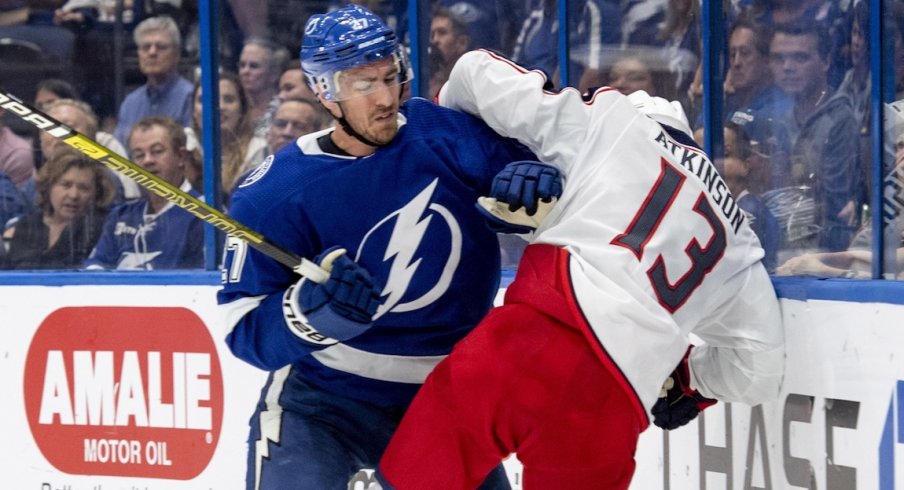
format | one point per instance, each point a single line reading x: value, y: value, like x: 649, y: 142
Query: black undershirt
x: 327, y: 144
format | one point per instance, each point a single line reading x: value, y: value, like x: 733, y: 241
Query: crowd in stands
x: 796, y: 106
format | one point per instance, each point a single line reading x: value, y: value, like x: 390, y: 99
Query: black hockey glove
x: 520, y: 197
x: 339, y: 309
x: 678, y: 403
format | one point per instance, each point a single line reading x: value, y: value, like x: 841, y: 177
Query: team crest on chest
x: 407, y: 253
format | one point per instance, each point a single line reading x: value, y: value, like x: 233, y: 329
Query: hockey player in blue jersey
x: 394, y: 186
x: 151, y: 233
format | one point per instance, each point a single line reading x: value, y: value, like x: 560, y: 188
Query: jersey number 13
x: 646, y: 221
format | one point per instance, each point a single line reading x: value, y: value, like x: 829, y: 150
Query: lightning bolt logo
x: 409, y: 228
x: 406, y: 237
x: 270, y: 420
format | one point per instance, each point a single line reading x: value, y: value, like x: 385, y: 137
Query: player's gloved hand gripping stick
x: 158, y: 186
x: 521, y: 196
x: 338, y: 309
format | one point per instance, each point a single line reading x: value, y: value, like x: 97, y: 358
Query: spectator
x: 241, y: 150
x: 73, y: 196
x: 748, y: 83
x: 260, y: 65
x: 291, y: 119
x: 47, y: 91
x: 820, y: 208
x: 152, y: 233
x: 449, y: 40
x: 292, y: 84
x: 80, y: 117
x: 16, y: 159
x: 51, y: 89
x: 826, y: 13
x: 743, y: 175
x: 856, y: 260
x: 636, y: 69
x: 752, y: 100
x: 598, y: 24
x: 166, y: 93
x: 95, y: 23
x: 13, y: 203
x: 629, y: 74
x: 679, y: 37
x: 856, y: 85
x: 482, y: 19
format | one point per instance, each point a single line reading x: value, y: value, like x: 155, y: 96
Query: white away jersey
x: 659, y: 247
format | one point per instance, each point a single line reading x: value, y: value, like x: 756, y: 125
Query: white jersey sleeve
x: 659, y: 247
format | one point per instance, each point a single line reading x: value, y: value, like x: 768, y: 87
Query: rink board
x: 131, y: 387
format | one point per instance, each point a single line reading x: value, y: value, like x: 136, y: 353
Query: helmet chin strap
x: 350, y: 130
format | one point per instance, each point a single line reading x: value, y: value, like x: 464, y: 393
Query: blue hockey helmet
x: 345, y: 38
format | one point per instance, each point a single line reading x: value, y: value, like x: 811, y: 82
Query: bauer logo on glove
x: 521, y: 197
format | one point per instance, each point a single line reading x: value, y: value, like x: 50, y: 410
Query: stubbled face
x: 444, y: 38
x: 291, y: 120
x: 72, y: 195
x: 748, y: 68
x: 157, y: 55
x: 153, y: 150
x: 370, y: 100
x: 796, y: 65
x: 628, y: 75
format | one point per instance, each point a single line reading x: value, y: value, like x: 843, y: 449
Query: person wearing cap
x: 384, y: 201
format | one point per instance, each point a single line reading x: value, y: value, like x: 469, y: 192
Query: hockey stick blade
x: 157, y: 185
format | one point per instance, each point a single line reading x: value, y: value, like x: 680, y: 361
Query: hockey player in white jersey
x: 645, y: 247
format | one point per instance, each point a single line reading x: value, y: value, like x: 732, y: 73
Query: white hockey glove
x: 521, y: 196
x: 339, y: 309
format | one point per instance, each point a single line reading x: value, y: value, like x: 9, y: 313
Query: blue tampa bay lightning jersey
x: 407, y: 214
x: 134, y: 240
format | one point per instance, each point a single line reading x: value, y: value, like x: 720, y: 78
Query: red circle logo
x: 124, y: 391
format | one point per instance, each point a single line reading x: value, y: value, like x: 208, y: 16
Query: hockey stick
x: 157, y: 185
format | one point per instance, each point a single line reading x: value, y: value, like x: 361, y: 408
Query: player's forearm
x: 742, y: 359
x: 260, y: 336
x: 739, y: 376
x: 551, y: 125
